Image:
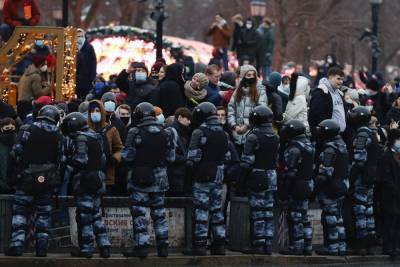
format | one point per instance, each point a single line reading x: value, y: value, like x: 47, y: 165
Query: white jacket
x: 296, y: 109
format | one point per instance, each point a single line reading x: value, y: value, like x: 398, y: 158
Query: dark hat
x: 157, y: 66
x: 38, y: 60
x: 138, y: 65
x: 373, y: 85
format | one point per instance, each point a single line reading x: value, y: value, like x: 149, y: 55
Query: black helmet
x: 260, y: 115
x: 292, y: 128
x: 50, y: 113
x: 359, y: 116
x: 327, y: 130
x: 144, y: 111
x: 203, y: 111
x: 73, y: 123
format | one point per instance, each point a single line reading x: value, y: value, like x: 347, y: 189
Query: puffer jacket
x: 296, y: 109
x: 238, y: 113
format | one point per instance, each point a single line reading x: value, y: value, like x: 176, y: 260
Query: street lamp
x: 375, y: 4
x: 258, y: 9
x: 158, y: 15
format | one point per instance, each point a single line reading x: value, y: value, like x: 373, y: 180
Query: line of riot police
x: 78, y: 153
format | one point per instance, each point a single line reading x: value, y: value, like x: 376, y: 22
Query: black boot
x: 138, y: 252
x: 195, y: 251
x: 255, y: 250
x: 162, y: 250
x: 80, y: 254
x: 41, y: 252
x: 14, y: 251
x: 217, y: 248
x: 326, y: 252
x: 105, y: 252
x: 267, y: 250
x: 289, y: 251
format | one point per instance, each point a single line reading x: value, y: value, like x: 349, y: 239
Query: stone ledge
x: 232, y: 259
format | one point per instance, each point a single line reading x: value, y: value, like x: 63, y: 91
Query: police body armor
x: 39, y: 161
x: 335, y: 186
x: 265, y: 159
x: 213, y: 155
x: 369, y: 172
x: 150, y: 153
x: 91, y: 179
x: 300, y: 188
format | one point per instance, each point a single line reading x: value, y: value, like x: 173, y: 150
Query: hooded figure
x: 296, y: 108
x: 97, y: 122
x: 172, y: 90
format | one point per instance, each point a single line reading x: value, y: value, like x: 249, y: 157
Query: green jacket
x: 265, y: 46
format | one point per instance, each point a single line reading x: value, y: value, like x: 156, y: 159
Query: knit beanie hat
x: 109, y: 96
x: 275, y: 79
x: 202, y: 78
x: 246, y: 68
x: 157, y: 66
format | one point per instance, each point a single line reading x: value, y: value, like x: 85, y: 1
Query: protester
x: 248, y: 39
x: 237, y: 45
x: 220, y: 33
x: 172, y: 89
x: 274, y: 99
x: 195, y: 90
x: 18, y: 13
x: 135, y: 82
x: 7, y: 140
x: 111, y: 140
x: 86, y: 65
x: 124, y: 113
x: 214, y: 93
x: 265, y: 47
x: 109, y: 102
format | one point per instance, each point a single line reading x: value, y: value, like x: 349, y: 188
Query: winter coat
x: 213, y: 95
x: 11, y: 11
x: 177, y: 174
x: 248, y: 43
x: 393, y: 115
x: 296, y: 109
x: 30, y: 85
x: 119, y: 125
x: 6, y: 110
x: 172, y: 89
x: 86, y: 68
x: 6, y: 143
x: 137, y: 92
x: 220, y: 36
x: 113, y: 140
x: 390, y: 175
x: 238, y: 113
x: 265, y: 46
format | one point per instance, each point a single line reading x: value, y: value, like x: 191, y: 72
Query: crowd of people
x: 210, y: 135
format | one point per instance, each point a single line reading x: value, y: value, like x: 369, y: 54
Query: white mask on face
x: 81, y: 42
x: 349, y: 101
x: 369, y: 108
x: 249, y: 26
x: 43, y: 68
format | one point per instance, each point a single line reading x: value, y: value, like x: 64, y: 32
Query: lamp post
x: 375, y: 4
x: 258, y: 9
x: 158, y: 15
x: 65, y: 13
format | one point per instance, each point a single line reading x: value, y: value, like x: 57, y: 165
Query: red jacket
x: 11, y: 16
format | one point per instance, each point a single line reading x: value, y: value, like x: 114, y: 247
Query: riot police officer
x: 363, y: 175
x: 332, y: 172
x: 88, y: 162
x: 38, y: 154
x: 147, y: 150
x: 207, y: 152
x: 298, y: 159
x: 260, y: 157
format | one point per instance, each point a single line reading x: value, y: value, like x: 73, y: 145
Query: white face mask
x: 140, y: 77
x: 43, y: 68
x: 349, y: 101
x: 249, y: 26
x: 81, y: 42
x: 109, y: 106
x: 160, y: 118
x: 369, y: 108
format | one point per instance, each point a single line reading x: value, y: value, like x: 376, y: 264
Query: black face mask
x: 125, y: 120
x: 7, y: 137
x: 249, y: 81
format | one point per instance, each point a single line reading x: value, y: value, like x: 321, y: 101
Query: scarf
x: 193, y: 93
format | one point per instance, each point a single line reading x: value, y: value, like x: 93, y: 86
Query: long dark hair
x: 254, y: 95
x: 293, y: 86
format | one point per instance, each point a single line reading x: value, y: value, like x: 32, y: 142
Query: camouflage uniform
x: 25, y: 201
x: 207, y: 195
x: 88, y: 202
x: 299, y: 170
x: 260, y: 155
x: 153, y: 195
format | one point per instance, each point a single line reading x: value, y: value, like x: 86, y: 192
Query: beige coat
x: 30, y: 85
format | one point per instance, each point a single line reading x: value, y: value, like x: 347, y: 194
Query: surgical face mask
x: 249, y: 26
x: 81, y: 42
x: 160, y: 118
x: 96, y: 117
x: 140, y: 77
x: 370, y: 108
x: 349, y: 101
x: 39, y: 43
x: 109, y: 106
x: 43, y: 68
